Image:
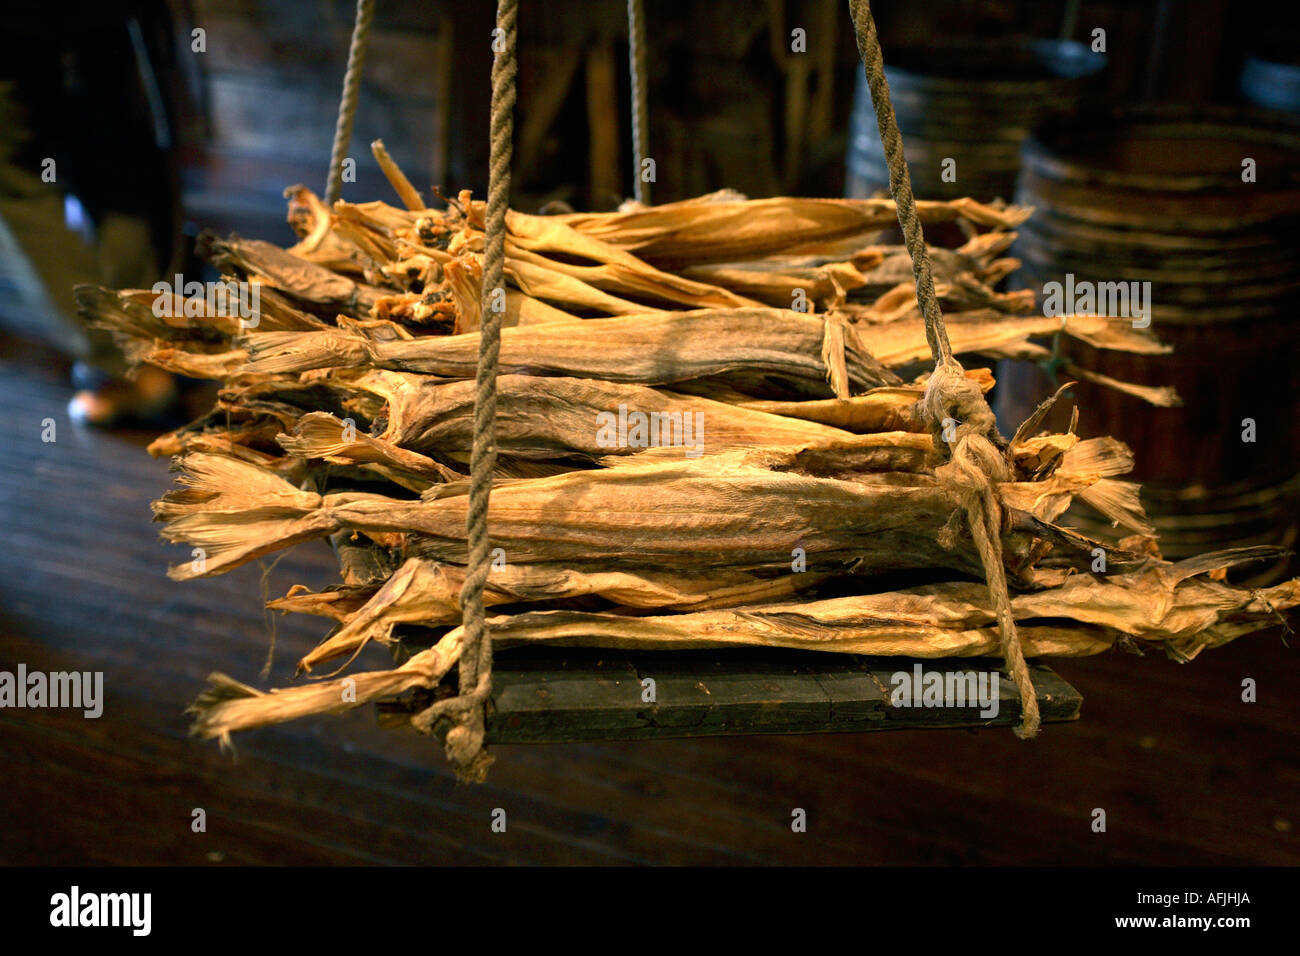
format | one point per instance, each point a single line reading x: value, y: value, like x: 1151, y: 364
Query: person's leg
x: 85, y: 193
x: 106, y: 392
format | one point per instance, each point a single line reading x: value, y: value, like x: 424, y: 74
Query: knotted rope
x: 954, y: 405
x: 348, y: 104
x: 640, y: 110
x: 464, y: 743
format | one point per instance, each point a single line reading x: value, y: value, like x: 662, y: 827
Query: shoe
x: 149, y: 400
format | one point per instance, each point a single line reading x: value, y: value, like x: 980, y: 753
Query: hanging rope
x: 959, y: 415
x: 348, y: 104
x: 464, y: 743
x: 640, y: 110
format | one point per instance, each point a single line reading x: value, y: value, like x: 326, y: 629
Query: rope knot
x: 962, y: 422
x: 464, y: 749
x: 955, y: 406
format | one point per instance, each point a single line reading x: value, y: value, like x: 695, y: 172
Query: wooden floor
x: 1185, y: 771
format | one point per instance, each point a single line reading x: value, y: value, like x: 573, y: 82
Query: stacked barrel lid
x: 707, y: 437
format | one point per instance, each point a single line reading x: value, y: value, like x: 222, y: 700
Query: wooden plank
x: 603, y: 126
x: 402, y: 64
x: 293, y: 118
x: 571, y: 694
x: 542, y: 699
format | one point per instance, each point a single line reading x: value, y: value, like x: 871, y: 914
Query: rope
x: 348, y: 104
x: 464, y: 743
x: 975, y: 463
x: 640, y: 110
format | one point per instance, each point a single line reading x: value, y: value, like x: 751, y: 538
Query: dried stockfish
x: 755, y: 349
x: 693, y: 232
x: 898, y: 343
x: 1160, y: 605
x: 1175, y: 607
x: 884, y: 409
x: 427, y: 592
x: 550, y: 417
x: 304, y: 282
x: 642, y: 282
x: 827, y: 499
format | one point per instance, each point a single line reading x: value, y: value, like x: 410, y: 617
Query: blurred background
x: 128, y: 127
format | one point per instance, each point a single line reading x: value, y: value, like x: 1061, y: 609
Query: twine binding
x: 975, y: 464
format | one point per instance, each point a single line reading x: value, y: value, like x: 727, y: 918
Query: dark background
x: 256, y: 111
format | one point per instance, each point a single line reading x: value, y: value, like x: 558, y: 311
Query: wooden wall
x: 730, y: 104
x: 270, y: 81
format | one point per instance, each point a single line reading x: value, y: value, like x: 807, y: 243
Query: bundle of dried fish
x: 705, y: 439
x: 391, y: 274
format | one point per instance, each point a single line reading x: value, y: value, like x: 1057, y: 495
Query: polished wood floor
x: 1185, y: 771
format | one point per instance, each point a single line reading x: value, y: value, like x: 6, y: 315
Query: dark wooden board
x: 571, y: 694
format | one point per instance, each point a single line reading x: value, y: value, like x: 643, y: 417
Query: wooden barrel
x: 1158, y: 195
x: 970, y: 101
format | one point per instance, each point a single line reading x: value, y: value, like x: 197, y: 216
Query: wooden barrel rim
x: 1221, y: 211
x: 1051, y: 149
x: 961, y: 65
x: 1241, y: 495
